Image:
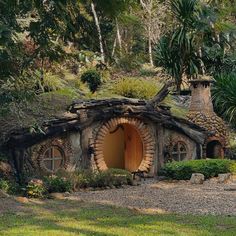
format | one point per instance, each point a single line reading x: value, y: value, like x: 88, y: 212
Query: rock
x: 230, y: 188
x: 223, y: 178
x: 197, y: 178
x: 161, y: 178
x: 67, y: 194
x: 22, y: 199
x: 5, y: 169
x: 3, y: 194
x: 59, y: 196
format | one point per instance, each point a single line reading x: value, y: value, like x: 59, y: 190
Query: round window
x: 53, y: 158
x: 179, y: 151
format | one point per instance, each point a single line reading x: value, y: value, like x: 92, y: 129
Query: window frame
x: 178, y: 153
x: 52, y: 158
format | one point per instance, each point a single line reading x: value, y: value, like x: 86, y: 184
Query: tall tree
x: 153, y: 15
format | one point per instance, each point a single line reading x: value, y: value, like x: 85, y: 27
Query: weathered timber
x: 162, y: 94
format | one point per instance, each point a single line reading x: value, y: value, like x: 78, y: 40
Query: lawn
x: 64, y: 218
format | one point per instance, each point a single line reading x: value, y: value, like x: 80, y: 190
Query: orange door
x: 133, y: 148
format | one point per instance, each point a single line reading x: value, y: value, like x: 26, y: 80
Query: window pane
x: 175, y: 148
x: 182, y: 148
x: 57, y: 164
x: 175, y: 157
x: 48, y: 164
x: 56, y: 152
x: 47, y: 154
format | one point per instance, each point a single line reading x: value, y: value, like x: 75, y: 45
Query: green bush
x: 92, y: 78
x: 10, y: 186
x: 5, y: 185
x: 210, y: 168
x: 121, y: 177
x: 136, y: 88
x: 35, y: 188
x: 58, y: 184
x: 110, y: 177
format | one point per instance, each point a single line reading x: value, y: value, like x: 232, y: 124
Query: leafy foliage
x: 58, y: 184
x: 194, y: 46
x: 110, y: 177
x: 92, y: 78
x: 224, y: 96
x: 5, y: 185
x: 35, y: 188
x: 209, y: 168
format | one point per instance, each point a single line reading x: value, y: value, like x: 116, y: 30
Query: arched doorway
x: 124, y: 143
x: 123, y: 148
x: 214, y: 149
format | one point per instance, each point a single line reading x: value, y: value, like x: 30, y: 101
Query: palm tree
x: 177, y: 50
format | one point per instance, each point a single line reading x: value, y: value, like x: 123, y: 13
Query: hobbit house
x: 131, y: 134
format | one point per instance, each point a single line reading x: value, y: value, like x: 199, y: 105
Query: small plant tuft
x: 136, y: 88
x: 93, y: 78
x: 35, y: 188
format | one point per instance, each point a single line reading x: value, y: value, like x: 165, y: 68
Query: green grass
x: 63, y: 218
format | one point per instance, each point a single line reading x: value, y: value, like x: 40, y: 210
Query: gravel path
x: 163, y: 196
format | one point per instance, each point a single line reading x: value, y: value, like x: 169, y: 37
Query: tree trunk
x: 118, y: 35
x: 150, y: 45
x: 99, y: 32
x: 148, y: 8
x: 114, y: 48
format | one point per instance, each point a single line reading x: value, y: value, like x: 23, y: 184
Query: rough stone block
x: 22, y: 199
x: 197, y: 178
x: 223, y: 178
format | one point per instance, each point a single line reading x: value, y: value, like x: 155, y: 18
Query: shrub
x: 92, y: 78
x: 210, y: 168
x: 136, y: 88
x: 5, y: 185
x: 10, y: 186
x: 35, y: 188
x: 115, y: 177
x: 58, y: 184
x: 121, y: 177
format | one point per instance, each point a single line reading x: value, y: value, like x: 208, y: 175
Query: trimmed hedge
x: 209, y: 168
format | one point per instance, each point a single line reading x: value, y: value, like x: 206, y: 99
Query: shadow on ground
x: 68, y: 217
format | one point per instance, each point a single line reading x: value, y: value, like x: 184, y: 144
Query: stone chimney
x: 201, y: 95
x: 201, y: 113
